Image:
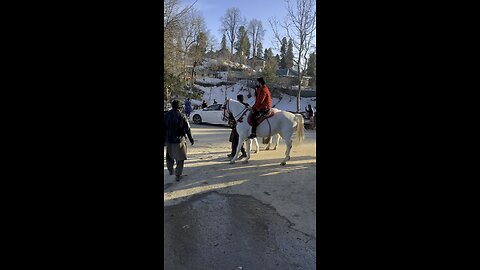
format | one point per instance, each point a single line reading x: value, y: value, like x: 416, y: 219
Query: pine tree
x: 199, y: 48
x: 259, y: 50
x: 312, y: 68
x: 268, y: 54
x: 277, y: 58
x: 289, y: 55
x: 283, y: 53
x: 224, y: 42
x: 242, y: 45
x: 271, y: 67
x: 312, y: 65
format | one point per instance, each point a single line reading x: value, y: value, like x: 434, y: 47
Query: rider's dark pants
x: 254, y: 121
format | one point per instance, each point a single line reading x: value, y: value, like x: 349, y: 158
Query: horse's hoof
x: 232, y: 162
x: 275, y: 148
x: 245, y: 161
x: 283, y: 163
x: 256, y: 151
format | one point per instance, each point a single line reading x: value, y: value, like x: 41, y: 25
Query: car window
x: 215, y: 107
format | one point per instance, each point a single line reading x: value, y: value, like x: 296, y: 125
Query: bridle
x: 226, y: 108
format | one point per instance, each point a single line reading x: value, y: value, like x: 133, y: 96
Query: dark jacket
x: 188, y: 106
x: 176, y: 127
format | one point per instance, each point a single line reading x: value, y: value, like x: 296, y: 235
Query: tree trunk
x: 299, y: 86
x: 185, y: 66
x: 194, y: 75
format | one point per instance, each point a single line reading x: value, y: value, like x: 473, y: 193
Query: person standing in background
x: 188, y: 107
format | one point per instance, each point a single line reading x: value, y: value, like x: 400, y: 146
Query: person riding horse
x: 262, y: 105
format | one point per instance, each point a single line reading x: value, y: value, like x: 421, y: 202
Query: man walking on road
x: 175, y: 130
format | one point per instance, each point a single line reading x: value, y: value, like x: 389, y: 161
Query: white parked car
x: 212, y: 114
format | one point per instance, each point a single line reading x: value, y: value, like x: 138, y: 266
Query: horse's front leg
x: 249, y: 147
x: 256, y: 144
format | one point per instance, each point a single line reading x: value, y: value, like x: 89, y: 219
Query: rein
x: 241, y: 114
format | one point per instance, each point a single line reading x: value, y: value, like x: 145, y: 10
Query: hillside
x: 218, y: 93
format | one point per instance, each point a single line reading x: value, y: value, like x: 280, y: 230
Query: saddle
x: 262, y: 117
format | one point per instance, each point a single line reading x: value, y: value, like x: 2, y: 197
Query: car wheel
x: 197, y: 119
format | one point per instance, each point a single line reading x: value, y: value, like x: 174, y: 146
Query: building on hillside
x: 288, y: 76
x: 257, y: 63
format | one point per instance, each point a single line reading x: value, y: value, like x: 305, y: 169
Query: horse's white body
x: 285, y: 124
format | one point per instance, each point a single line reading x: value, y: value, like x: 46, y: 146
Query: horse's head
x: 233, y: 109
x: 227, y: 115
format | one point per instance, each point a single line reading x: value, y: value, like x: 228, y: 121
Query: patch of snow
x: 286, y: 103
x: 209, y: 80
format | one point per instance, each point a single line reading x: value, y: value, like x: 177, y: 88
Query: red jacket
x: 264, y: 100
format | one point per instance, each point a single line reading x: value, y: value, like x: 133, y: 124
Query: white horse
x: 284, y: 123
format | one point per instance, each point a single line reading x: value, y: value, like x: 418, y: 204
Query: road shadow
x: 258, y: 170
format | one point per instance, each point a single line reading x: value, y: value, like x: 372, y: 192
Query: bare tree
x: 230, y: 24
x: 299, y: 25
x: 173, y: 13
x: 212, y: 41
x: 191, y: 26
x: 256, y: 31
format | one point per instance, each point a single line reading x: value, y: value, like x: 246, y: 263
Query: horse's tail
x: 300, y: 129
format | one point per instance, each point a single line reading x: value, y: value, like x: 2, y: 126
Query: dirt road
x: 259, y: 215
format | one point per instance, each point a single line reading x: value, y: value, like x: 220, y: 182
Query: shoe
x: 230, y: 155
x: 252, y: 136
x: 178, y: 177
x: 170, y: 172
x: 242, y: 156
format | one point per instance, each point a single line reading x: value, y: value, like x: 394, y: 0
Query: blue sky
x: 213, y: 10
